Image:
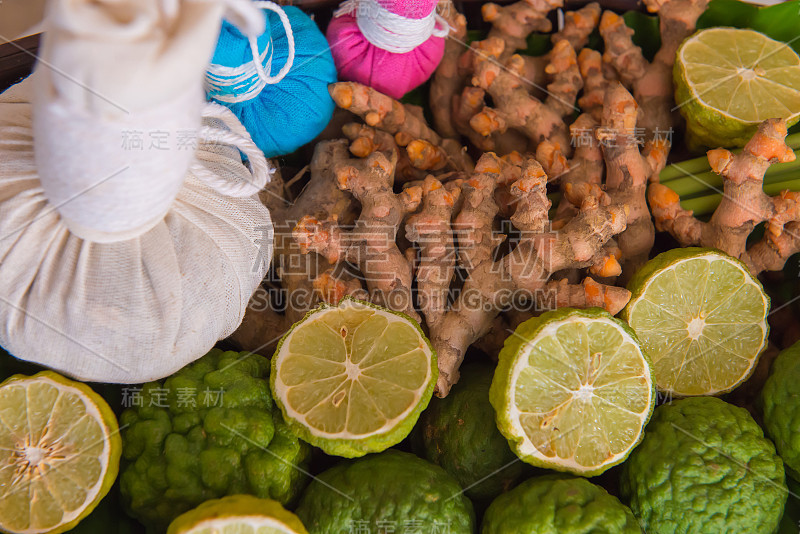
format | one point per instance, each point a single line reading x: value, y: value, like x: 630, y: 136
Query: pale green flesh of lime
x: 234, y: 526
x: 702, y: 322
x: 354, y: 370
x: 584, y: 393
x: 743, y: 74
x: 41, y: 422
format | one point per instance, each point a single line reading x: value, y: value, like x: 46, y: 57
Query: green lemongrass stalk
x: 684, y: 168
x: 705, y: 205
x: 704, y: 183
x: 701, y: 165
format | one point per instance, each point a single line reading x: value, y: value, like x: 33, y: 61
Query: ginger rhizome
x: 744, y: 205
x: 454, y: 224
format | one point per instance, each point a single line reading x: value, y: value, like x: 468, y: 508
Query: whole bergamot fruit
x: 704, y: 466
x: 781, y: 403
x: 459, y: 434
x: 208, y: 431
x: 558, y: 504
x: 393, y: 490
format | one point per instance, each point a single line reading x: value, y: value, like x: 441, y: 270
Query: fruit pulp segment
x: 53, y: 455
x: 354, y: 371
x: 582, y: 392
x: 743, y: 74
x: 703, y: 321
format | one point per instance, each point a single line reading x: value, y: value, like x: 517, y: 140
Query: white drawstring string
x: 260, y: 169
x: 245, y: 82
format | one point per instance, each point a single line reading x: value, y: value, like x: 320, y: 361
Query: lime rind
x: 214, y: 515
x: 339, y: 444
x: 558, y: 503
x: 707, y: 123
x: 704, y: 466
x: 502, y: 394
x: 666, y: 261
x: 97, y: 408
x: 780, y: 403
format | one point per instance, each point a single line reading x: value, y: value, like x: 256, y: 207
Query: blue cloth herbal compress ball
x: 283, y: 99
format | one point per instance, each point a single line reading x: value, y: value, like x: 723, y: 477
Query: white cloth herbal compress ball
x: 130, y: 236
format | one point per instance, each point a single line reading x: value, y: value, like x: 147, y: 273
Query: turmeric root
x: 431, y: 230
x: 447, y: 80
x: 514, y: 107
x: 579, y: 177
x: 595, y: 84
x: 651, y: 82
x: 372, y: 243
x: 527, y: 268
x: 628, y: 172
x: 381, y: 111
x: 744, y: 205
x: 514, y: 23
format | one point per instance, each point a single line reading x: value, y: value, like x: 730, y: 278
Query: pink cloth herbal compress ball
x: 391, y: 45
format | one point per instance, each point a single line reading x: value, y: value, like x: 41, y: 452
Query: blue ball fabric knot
x: 289, y: 114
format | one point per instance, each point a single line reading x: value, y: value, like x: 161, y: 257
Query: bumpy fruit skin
x: 459, y: 434
x: 236, y: 506
x: 704, y: 466
x: 218, y: 435
x: 391, y: 489
x: 781, y: 402
x: 558, y: 504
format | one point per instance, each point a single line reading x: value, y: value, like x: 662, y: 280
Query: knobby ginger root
x: 744, y: 205
x: 447, y: 80
x: 651, y: 82
x: 628, y: 172
x: 372, y: 243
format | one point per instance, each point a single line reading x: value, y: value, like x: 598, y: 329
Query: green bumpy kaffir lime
x: 781, y: 404
x: 558, y: 504
x: 218, y: 435
x: 704, y: 466
x: 391, y: 490
x: 459, y: 434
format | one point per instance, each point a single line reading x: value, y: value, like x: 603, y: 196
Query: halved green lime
x: 59, y: 453
x: 729, y: 80
x: 238, y: 514
x: 353, y: 378
x: 573, y: 391
x: 702, y: 317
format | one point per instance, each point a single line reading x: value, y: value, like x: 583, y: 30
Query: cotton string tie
x: 390, y: 31
x: 245, y: 82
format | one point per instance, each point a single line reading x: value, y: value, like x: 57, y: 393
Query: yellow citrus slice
x: 702, y: 317
x: 59, y: 453
x: 573, y: 391
x: 352, y: 379
x: 237, y: 514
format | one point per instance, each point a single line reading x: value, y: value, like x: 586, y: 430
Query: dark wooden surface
x: 16, y: 59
